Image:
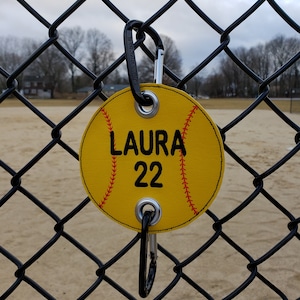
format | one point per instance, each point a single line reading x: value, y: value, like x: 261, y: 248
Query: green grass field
x: 225, y: 103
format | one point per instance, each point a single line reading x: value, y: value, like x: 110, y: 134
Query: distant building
x: 108, y: 89
x: 35, y: 87
x: 85, y: 90
x: 295, y: 93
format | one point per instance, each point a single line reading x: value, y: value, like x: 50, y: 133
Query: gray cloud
x: 192, y: 36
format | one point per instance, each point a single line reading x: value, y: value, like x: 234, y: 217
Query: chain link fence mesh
x: 55, y: 245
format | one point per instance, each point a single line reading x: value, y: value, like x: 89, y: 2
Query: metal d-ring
x: 147, y: 111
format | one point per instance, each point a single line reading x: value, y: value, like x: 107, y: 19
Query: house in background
x: 108, y: 89
x: 35, y: 87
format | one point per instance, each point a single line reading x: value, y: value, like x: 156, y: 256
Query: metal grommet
x: 156, y: 208
x: 147, y: 111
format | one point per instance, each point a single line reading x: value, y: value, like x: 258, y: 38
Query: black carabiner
x: 146, y: 282
x: 143, y: 100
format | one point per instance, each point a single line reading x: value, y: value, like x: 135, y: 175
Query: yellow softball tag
x: 174, y: 157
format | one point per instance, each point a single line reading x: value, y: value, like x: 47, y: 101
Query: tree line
x: 94, y: 50
x: 264, y: 60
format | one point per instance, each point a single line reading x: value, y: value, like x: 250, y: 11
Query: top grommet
x: 147, y: 111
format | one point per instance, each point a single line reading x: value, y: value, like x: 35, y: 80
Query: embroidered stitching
x: 113, y: 163
x: 183, y: 165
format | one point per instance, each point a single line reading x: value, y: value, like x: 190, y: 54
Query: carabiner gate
x: 147, y: 218
x: 143, y: 99
x: 146, y: 282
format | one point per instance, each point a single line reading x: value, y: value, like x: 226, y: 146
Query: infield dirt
x: 261, y: 139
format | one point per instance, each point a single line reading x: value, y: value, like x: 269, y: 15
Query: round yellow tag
x: 174, y: 157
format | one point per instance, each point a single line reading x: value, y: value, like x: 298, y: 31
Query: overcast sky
x: 194, y: 39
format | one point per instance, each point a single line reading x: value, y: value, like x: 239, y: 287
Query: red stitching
x: 182, y: 162
x: 113, y: 162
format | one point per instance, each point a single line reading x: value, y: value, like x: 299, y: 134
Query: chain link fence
x: 54, y: 244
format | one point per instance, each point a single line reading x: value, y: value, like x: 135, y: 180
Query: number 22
x: 153, y: 182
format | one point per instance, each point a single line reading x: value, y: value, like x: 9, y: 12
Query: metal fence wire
x: 54, y: 244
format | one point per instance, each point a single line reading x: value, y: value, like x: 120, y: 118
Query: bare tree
x: 214, y: 85
x: 259, y: 60
x: 12, y: 54
x: 195, y: 86
x: 72, y: 40
x: 50, y: 65
x: 280, y: 50
x: 99, y: 51
x: 231, y: 74
x: 172, y: 59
